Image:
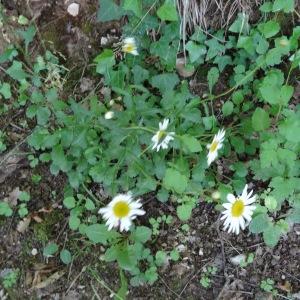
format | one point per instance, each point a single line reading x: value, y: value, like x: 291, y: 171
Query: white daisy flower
x: 129, y: 46
x: 238, y: 213
x: 216, y: 145
x: 109, y: 115
x: 121, y: 211
x: 162, y: 138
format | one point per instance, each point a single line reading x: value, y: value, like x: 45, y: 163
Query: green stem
x: 91, y: 195
x: 141, y: 128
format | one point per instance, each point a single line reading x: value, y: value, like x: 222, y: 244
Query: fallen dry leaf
x: 50, y: 280
x: 23, y: 225
x: 14, y: 196
x: 287, y: 287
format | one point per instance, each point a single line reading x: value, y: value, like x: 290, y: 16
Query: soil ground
x: 204, y: 245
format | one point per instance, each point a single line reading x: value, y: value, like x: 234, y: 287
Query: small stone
x: 73, y: 9
x: 200, y: 252
x: 103, y: 41
x: 181, y: 248
x: 34, y: 252
x: 236, y: 260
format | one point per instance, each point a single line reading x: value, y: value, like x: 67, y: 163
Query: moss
x: 43, y: 231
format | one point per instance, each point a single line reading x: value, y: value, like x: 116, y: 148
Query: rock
x: 103, y: 41
x: 182, y: 69
x: 73, y: 9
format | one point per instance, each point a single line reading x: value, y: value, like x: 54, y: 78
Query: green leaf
x: 24, y: 196
x: 161, y: 258
x: 97, y: 233
x: 16, y: 71
x: 260, y: 119
x: 164, y: 82
x: 69, y: 202
x: 184, y: 211
x: 109, y: 11
x: 58, y: 157
x: 269, y: 28
x: 259, y: 223
x: 173, y: 180
x: 271, y: 203
x: 42, y: 115
x: 266, y: 7
x: 212, y: 77
x: 74, y: 222
x: 174, y: 254
x: 286, y: 5
x: 133, y: 5
x: 65, y: 256
x: 105, y: 61
x: 50, y: 249
x: 142, y: 234
x: 227, y: 108
x: 190, y: 143
x: 5, y: 209
x: 168, y: 11
x: 27, y: 35
x: 195, y: 51
x: 272, y: 235
x: 5, y: 90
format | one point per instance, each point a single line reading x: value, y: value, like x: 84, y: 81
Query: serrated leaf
x: 168, y: 12
x: 142, y: 234
x: 69, y: 202
x: 105, y: 61
x: 50, y: 249
x: 272, y: 235
x: 260, y: 119
x: 227, y: 108
x: 5, y: 90
x: 175, y: 181
x: 164, y: 82
x: 259, y: 223
x: 286, y: 5
x: 195, y: 51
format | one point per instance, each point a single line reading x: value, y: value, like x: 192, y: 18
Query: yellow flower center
x: 128, y: 48
x: 213, y: 146
x: 121, y: 209
x: 237, y: 208
x: 161, y: 135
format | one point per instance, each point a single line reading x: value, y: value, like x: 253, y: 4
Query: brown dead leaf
x: 287, y: 287
x: 36, y: 218
x: 9, y: 164
x: 13, y: 196
x: 23, y: 225
x: 50, y: 280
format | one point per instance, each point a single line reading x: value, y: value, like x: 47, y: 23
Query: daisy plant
x: 121, y: 211
x: 129, y: 46
x: 238, y: 211
x: 162, y: 137
x: 215, y: 146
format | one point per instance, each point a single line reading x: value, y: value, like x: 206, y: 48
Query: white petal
x: 227, y: 205
x: 230, y: 198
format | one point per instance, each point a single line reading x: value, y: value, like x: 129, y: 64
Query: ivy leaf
x: 174, y: 180
x: 133, y: 5
x: 168, y: 11
x: 105, y: 61
x: 109, y: 11
x: 212, y: 77
x: 260, y: 119
x: 269, y: 28
x: 286, y: 5
x: 164, y: 82
x: 195, y: 51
